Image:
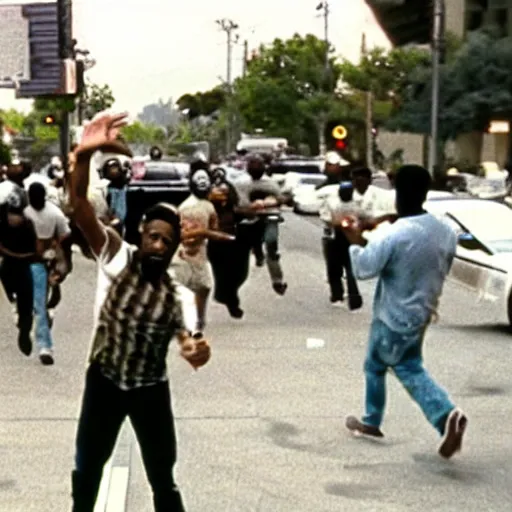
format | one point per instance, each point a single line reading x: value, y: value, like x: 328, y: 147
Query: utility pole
x: 322, y: 117
x: 229, y: 27
x: 437, y: 41
x: 246, y: 57
x: 369, y: 113
x: 66, y: 51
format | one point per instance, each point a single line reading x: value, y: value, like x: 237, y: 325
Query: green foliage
x: 54, y: 106
x: 287, y: 91
x: 203, y: 103
x: 97, y: 98
x: 13, y: 119
x: 140, y: 133
x: 385, y: 74
x: 475, y: 87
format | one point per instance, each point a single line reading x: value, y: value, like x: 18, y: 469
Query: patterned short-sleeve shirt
x: 135, y: 325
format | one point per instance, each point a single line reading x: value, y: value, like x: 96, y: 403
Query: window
x: 500, y: 18
x: 474, y: 20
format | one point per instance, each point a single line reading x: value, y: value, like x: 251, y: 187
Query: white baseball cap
x: 332, y: 158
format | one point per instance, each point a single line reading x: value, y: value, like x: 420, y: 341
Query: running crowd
x: 205, y: 245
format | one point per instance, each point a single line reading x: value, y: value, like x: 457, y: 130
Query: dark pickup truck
x: 153, y: 182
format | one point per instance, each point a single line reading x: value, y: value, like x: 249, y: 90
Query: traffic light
x: 340, y: 145
x: 49, y: 120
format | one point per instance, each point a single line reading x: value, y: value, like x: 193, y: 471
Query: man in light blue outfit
x: 411, y: 259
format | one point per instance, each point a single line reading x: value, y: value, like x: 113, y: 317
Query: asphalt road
x: 261, y: 428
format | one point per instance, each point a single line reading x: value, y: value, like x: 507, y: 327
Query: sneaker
x: 454, y: 430
x: 337, y: 297
x: 25, y: 343
x: 46, y: 356
x: 198, y: 335
x: 359, y: 428
x: 280, y: 288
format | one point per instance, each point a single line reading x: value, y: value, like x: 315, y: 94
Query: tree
x: 203, y: 103
x: 96, y: 98
x: 287, y: 90
x: 476, y: 85
x: 140, y: 133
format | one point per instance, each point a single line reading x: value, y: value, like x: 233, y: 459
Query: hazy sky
x: 151, y: 49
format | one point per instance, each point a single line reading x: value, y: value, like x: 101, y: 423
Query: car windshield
x: 489, y: 222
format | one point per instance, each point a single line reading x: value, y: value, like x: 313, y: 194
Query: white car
x: 483, y: 262
x: 304, y: 193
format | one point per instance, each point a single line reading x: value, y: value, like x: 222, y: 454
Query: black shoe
x: 355, y: 302
x: 46, y: 357
x: 25, y: 343
x: 235, y: 311
x: 280, y: 288
x: 337, y: 297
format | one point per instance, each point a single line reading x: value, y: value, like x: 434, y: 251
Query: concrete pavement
x: 261, y: 427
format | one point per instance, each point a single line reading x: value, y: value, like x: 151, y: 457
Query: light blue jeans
x: 403, y: 355
x: 40, y: 280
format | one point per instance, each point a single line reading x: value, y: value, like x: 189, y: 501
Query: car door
x: 468, y: 268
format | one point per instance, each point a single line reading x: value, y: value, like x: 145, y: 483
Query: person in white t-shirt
x: 52, y: 228
x: 374, y: 201
x: 138, y: 311
x: 199, y: 220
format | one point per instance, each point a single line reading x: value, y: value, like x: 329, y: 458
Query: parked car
x: 281, y: 167
x: 305, y: 199
x: 151, y: 183
x: 483, y: 263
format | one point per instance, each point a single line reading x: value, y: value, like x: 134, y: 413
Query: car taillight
x: 138, y: 170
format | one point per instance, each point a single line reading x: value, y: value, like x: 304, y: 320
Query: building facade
x: 405, y: 22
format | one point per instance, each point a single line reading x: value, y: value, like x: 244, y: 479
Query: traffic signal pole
x: 66, y: 52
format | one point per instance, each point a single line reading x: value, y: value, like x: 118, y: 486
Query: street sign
x: 339, y: 132
x: 45, y: 64
x: 14, y: 41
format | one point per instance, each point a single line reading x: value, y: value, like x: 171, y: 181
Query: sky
x: 148, y: 50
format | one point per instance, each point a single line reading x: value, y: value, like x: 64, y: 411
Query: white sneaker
x: 46, y: 356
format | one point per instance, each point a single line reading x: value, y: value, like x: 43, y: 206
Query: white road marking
x: 312, y: 343
x: 101, y: 502
x: 118, y: 491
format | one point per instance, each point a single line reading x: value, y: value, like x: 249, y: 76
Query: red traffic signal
x: 340, y: 144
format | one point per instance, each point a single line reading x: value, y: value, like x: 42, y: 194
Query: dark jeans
x: 230, y: 265
x: 104, y: 408
x: 337, y: 260
x: 266, y: 231
x: 16, y: 278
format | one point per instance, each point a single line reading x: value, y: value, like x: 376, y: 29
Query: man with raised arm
x: 137, y: 313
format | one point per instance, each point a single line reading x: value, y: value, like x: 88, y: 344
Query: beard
x: 153, y: 267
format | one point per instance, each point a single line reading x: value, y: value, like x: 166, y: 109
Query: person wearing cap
x: 18, y: 246
x: 138, y: 311
x: 336, y: 246
x: 334, y: 171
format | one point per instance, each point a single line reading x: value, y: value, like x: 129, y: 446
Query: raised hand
x: 102, y: 132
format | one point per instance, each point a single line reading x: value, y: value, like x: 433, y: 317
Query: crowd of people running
x: 203, y: 245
